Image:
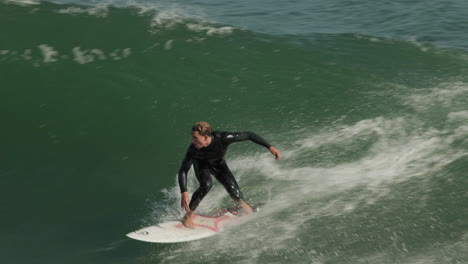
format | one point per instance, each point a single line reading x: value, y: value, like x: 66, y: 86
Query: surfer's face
x: 200, y: 141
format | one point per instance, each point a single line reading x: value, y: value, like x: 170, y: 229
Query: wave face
x: 440, y: 22
x: 97, y: 102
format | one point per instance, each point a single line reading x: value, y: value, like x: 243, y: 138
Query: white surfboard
x: 206, y: 225
x: 175, y: 231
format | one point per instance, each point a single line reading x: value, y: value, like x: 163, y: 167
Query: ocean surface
x: 366, y: 100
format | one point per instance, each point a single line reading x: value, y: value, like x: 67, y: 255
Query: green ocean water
x: 97, y: 103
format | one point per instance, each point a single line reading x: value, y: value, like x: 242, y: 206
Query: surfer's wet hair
x: 203, y: 128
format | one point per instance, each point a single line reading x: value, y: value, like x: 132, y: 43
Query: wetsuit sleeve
x: 231, y: 137
x: 183, y: 171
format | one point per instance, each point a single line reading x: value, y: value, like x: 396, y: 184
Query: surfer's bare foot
x: 187, y: 221
x: 246, y: 208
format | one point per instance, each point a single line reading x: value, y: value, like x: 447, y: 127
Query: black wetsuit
x: 209, y: 161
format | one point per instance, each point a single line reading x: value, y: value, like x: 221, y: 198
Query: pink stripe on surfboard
x: 216, y: 227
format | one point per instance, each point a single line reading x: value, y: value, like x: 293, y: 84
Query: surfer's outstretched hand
x: 275, y: 152
x: 185, y: 201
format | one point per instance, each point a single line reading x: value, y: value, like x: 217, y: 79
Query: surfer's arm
x: 231, y: 137
x: 183, y: 171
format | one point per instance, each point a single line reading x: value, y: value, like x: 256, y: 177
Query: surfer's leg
x: 224, y: 175
x: 204, y: 178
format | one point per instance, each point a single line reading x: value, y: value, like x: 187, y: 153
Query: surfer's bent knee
x: 206, y: 186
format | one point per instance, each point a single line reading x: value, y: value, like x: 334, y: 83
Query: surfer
x: 206, y: 154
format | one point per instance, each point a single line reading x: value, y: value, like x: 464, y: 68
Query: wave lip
x: 98, y: 11
x: 21, y: 2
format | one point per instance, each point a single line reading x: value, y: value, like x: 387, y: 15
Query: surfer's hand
x: 275, y: 152
x: 185, y: 201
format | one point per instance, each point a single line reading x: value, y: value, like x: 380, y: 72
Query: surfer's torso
x: 212, y: 156
x: 216, y: 150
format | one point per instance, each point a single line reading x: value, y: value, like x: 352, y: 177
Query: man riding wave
x: 206, y: 154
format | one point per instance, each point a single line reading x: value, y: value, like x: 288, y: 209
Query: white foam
x: 48, y: 52
x: 115, y: 54
x: 422, y: 46
x: 98, y: 11
x: 169, y: 18
x: 99, y: 54
x: 87, y: 56
x: 82, y: 56
x: 168, y: 44
x: 21, y: 2
x: 400, y: 149
x: 446, y: 95
x: 27, y: 54
x: 210, y: 30
x: 126, y: 52
x: 461, y: 116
